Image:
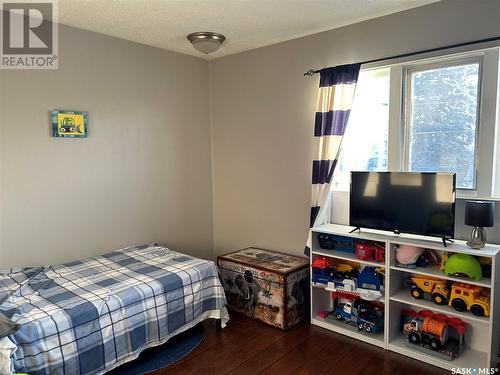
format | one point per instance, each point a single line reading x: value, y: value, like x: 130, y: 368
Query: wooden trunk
x: 267, y: 285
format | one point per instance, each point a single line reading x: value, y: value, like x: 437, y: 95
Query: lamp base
x: 477, y: 238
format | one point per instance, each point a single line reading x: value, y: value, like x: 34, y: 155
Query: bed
x: 90, y: 316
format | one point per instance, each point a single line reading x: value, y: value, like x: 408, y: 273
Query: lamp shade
x: 479, y: 213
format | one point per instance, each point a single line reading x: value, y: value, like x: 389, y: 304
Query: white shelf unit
x: 483, y: 346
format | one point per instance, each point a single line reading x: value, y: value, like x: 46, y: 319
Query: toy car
x: 368, y: 285
x: 434, y: 333
x: 460, y: 296
x: 430, y: 288
x: 371, y: 278
x: 363, y: 316
x: 370, y: 251
x: 339, y: 243
x: 325, y: 269
x: 470, y: 297
x: 346, y: 269
x: 322, y: 269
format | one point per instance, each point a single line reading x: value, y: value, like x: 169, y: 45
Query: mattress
x: 92, y: 315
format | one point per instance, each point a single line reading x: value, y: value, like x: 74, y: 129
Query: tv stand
x: 355, y: 229
x: 446, y: 239
x: 484, y: 334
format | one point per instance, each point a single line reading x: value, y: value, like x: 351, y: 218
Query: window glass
x: 443, y: 115
x: 365, y: 143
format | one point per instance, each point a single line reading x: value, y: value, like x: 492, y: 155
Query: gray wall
x: 144, y: 173
x: 262, y: 115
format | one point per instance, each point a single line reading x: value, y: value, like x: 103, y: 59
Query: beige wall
x: 262, y: 115
x: 144, y: 173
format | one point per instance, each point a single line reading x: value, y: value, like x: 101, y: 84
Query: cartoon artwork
x: 69, y: 124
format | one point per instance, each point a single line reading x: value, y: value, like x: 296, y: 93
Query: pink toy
x: 406, y: 254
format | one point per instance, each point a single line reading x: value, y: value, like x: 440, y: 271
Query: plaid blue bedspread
x: 88, y: 316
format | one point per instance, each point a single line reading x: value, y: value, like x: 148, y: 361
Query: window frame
x: 445, y: 62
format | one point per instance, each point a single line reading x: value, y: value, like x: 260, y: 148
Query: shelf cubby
x: 475, y: 354
x: 340, y: 327
x: 470, y: 358
x: 436, y: 272
x: 403, y: 296
x: 344, y: 255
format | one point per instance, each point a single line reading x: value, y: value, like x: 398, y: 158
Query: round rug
x: 159, y: 357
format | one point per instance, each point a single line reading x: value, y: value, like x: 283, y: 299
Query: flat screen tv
x: 401, y: 202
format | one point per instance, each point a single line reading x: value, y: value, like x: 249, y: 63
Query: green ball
x: 463, y: 264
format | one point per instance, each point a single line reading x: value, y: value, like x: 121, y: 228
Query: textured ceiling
x: 247, y: 24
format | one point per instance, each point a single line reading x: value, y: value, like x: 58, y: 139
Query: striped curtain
x: 335, y: 97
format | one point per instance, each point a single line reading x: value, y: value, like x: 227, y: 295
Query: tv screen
x: 416, y: 203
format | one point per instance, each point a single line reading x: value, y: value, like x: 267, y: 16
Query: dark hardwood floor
x: 246, y: 346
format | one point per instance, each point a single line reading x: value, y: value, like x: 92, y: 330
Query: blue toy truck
x: 371, y: 278
x: 362, y: 316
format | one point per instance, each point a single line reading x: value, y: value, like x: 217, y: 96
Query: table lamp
x: 479, y: 215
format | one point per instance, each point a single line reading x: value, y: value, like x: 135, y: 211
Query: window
x: 442, y: 120
x: 433, y: 115
x: 365, y: 143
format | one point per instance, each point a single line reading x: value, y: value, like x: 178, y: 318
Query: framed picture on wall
x: 69, y: 124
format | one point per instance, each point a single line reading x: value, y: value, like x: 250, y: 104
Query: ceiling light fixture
x: 206, y: 41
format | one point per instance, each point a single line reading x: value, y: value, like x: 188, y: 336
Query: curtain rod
x: 311, y: 72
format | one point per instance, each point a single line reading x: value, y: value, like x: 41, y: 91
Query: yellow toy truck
x: 428, y: 287
x: 470, y: 297
x: 345, y: 269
